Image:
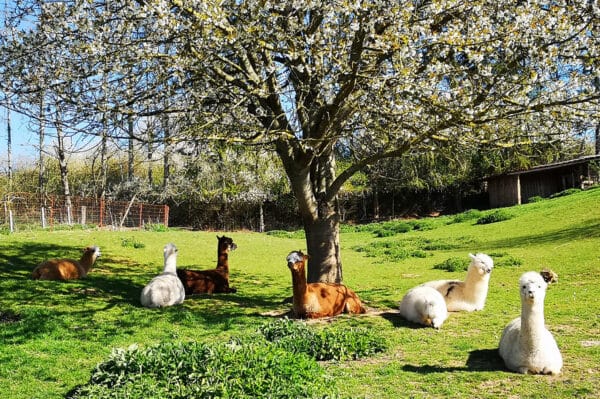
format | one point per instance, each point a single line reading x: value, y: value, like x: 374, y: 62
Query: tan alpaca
x: 316, y: 300
x: 67, y: 269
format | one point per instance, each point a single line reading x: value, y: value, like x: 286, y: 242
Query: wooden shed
x: 517, y: 187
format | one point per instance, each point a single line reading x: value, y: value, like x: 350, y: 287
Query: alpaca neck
x: 532, y: 322
x: 170, y: 264
x: 87, y: 261
x: 478, y: 283
x: 299, y: 286
x: 223, y: 262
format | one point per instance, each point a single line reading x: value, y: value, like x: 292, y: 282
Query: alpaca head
x: 93, y: 251
x: 533, y: 288
x: 169, y: 250
x: 482, y: 262
x: 295, y: 260
x: 226, y: 244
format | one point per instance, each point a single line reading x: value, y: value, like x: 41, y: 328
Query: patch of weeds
x: 390, y: 250
x: 423, y: 224
x: 324, y: 344
x: 132, y: 243
x: 535, y: 198
x: 494, y: 217
x: 390, y: 229
x: 156, y: 227
x: 235, y: 369
x: 453, y: 264
x: 568, y: 191
x: 299, y: 234
x: 465, y: 216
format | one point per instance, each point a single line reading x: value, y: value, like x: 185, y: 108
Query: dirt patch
x: 7, y: 317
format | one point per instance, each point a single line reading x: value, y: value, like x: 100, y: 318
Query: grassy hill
x: 52, y: 334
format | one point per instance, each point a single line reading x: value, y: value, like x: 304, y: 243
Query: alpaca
x: 424, y: 305
x: 213, y: 280
x: 316, y: 300
x: 468, y: 295
x: 165, y: 289
x: 67, y: 269
x: 526, y: 346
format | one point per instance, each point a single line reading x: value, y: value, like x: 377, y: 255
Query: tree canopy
x: 315, y: 79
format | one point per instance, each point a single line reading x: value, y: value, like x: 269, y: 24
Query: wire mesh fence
x: 23, y: 211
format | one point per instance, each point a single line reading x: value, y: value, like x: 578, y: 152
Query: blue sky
x: 23, y: 139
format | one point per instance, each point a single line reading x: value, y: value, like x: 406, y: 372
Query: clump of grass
x: 453, y: 264
x: 325, y: 344
x: 391, y: 250
x: 535, y: 198
x: 494, y: 217
x: 299, y: 234
x: 390, y: 229
x: 132, y: 243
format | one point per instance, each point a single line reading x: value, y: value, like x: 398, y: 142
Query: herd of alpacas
x: 526, y: 346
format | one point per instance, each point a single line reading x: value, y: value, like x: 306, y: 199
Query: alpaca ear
x: 472, y: 256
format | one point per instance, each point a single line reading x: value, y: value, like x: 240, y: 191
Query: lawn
x: 53, y: 334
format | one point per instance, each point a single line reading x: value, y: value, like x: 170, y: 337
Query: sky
x: 23, y: 139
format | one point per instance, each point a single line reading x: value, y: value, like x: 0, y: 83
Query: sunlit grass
x: 52, y: 334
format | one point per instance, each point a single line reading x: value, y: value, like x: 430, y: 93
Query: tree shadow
x: 478, y: 360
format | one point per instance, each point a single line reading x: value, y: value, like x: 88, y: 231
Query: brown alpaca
x: 316, y: 300
x: 214, y: 280
x: 67, y: 269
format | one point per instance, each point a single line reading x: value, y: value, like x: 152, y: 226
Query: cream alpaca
x: 424, y: 305
x: 165, y: 289
x: 526, y: 346
x: 468, y: 295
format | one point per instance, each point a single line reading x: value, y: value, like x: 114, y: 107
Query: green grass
x: 53, y: 334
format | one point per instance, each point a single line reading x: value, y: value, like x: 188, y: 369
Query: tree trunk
x: 64, y: 171
x: 9, y: 150
x: 130, y: 152
x: 41, y: 171
x: 166, y: 157
x: 103, y: 161
x: 310, y: 178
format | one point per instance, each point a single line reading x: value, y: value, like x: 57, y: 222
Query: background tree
x: 383, y: 79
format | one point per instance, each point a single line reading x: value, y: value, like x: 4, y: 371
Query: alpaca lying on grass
x: 213, y: 280
x: 526, y: 346
x: 424, y: 305
x: 166, y: 288
x: 316, y: 300
x: 67, y: 269
x: 468, y: 295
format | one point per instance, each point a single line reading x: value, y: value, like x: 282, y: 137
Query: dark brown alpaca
x: 212, y: 281
x: 316, y: 300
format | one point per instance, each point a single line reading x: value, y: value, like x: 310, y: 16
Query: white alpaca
x: 468, y: 295
x: 165, y: 289
x: 526, y: 346
x: 424, y: 305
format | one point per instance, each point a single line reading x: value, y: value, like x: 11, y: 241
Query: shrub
x: 156, y: 227
x: 466, y: 215
x: 392, y: 228
x: 568, y: 191
x: 453, y: 264
x: 536, y: 198
x: 198, y: 370
x: 495, y: 216
x: 325, y: 344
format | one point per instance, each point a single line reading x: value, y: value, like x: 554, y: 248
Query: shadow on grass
x: 588, y: 229
x: 478, y: 360
x: 394, y: 317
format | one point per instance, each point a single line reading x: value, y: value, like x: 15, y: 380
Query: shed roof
x: 550, y: 166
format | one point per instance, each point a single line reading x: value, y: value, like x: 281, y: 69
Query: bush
x: 453, y: 264
x: 132, y: 243
x: 392, y: 228
x: 536, y: 198
x: 568, y: 191
x: 466, y: 216
x: 326, y: 344
x: 198, y: 370
x: 156, y: 227
x: 495, y: 216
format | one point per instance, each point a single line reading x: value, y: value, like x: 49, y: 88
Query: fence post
x: 43, y: 212
x: 83, y: 215
x: 10, y: 221
x: 166, y: 221
x: 101, y: 221
x: 141, y: 215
